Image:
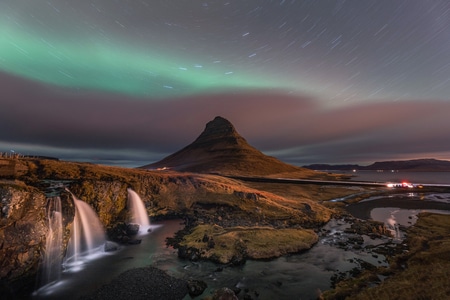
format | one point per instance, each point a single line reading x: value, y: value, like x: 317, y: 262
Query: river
x: 297, y: 276
x: 300, y: 275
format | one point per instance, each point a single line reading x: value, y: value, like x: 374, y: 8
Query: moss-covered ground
x: 223, y: 244
x: 419, y: 270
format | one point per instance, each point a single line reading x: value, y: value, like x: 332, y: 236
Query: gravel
x: 142, y: 283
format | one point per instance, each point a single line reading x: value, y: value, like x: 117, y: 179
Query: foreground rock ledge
x: 236, y: 244
x: 147, y: 283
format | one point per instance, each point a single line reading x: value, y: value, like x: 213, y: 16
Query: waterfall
x: 138, y: 212
x: 52, y: 259
x: 87, y: 233
x: 393, y: 226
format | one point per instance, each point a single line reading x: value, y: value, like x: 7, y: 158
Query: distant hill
x: 324, y: 167
x: 419, y: 165
x: 221, y: 149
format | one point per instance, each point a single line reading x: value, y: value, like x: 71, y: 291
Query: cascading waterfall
x: 51, y: 265
x: 138, y: 212
x: 87, y: 234
x: 393, y: 226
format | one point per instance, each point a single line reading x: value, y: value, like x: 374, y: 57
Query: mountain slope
x: 220, y: 149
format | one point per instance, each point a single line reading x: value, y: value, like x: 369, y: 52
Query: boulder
x: 224, y: 294
x: 196, y: 287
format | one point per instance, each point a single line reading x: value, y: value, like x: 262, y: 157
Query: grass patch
x: 223, y: 244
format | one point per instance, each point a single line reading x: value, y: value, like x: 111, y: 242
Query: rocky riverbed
x: 147, y: 283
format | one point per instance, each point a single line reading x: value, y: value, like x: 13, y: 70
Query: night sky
x: 130, y: 81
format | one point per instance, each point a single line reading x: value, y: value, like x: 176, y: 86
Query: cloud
x: 295, y: 128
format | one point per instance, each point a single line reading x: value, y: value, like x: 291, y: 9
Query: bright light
x: 407, y: 184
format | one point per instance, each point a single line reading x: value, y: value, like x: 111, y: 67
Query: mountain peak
x: 219, y: 121
x: 220, y: 149
x: 218, y: 129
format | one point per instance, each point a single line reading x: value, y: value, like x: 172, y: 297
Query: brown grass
x: 422, y: 272
x: 252, y: 242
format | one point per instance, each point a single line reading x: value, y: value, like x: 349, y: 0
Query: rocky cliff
x: 22, y: 229
x: 197, y: 198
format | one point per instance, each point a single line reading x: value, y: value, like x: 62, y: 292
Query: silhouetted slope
x: 220, y: 149
x: 428, y: 164
x: 412, y: 165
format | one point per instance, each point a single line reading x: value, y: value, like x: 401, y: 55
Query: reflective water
x: 394, y: 218
x: 400, y: 210
x: 290, y: 277
x: 101, y: 267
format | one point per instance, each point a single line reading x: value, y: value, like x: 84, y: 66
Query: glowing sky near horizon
x: 180, y: 63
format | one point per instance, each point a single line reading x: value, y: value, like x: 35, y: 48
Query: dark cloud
x: 296, y: 129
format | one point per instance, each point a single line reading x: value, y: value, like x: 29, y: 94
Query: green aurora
x: 92, y: 65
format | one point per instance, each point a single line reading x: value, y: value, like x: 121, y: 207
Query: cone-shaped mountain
x: 220, y: 149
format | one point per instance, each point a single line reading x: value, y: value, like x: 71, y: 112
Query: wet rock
x: 188, y: 253
x: 356, y: 239
x: 134, y: 242
x: 238, y: 260
x: 132, y: 229
x: 224, y: 294
x: 122, y: 233
x: 142, y: 283
x: 110, y: 246
x: 196, y: 287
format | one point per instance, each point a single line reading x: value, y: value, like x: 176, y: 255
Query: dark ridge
x: 428, y: 164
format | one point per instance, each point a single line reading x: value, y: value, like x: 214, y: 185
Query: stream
x: 295, y: 276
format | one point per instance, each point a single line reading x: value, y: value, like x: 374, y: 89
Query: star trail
x: 324, y: 58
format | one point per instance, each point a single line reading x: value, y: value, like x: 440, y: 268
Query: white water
x: 138, y: 212
x: 87, y: 235
x: 51, y: 265
x: 394, y: 217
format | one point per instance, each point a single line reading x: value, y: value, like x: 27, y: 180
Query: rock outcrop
x: 22, y: 229
x: 23, y: 232
x: 22, y: 235
x: 197, y: 198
